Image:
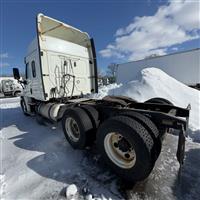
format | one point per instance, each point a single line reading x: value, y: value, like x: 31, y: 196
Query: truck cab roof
x: 54, y: 28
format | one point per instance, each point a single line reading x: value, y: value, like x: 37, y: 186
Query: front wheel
x: 17, y: 93
x: 126, y: 146
x: 23, y: 106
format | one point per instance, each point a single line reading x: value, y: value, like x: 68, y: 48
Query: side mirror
x: 16, y: 73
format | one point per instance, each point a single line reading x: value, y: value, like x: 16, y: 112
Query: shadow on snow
x: 58, y: 160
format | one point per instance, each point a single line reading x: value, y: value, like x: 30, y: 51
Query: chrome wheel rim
x: 119, y: 150
x: 72, y: 129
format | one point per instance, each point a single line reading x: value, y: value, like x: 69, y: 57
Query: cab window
x: 26, y: 72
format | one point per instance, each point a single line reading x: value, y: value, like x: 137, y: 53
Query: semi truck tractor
x: 61, y: 70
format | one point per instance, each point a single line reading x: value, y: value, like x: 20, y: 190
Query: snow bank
x: 6, y: 103
x: 2, y: 184
x: 153, y: 82
x: 71, y: 191
x: 104, y: 90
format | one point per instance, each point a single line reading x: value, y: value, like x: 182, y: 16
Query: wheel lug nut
x: 127, y: 155
x: 115, y: 145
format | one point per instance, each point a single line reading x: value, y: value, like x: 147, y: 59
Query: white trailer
x: 61, y: 70
x: 183, y: 66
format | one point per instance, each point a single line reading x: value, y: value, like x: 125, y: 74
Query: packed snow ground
x: 38, y: 163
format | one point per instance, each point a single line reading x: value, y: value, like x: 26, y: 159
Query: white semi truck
x: 61, y: 70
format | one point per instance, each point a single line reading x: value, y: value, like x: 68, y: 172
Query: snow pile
x: 153, y: 82
x: 9, y: 103
x: 103, y: 90
x: 2, y: 184
x: 71, y: 191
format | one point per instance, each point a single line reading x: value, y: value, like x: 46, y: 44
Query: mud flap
x: 181, y: 147
x: 180, y: 154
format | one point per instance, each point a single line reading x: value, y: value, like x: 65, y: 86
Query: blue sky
x: 122, y: 30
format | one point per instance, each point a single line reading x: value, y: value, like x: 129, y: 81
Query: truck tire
x: 93, y: 115
x: 17, y: 93
x: 23, y: 106
x: 126, y: 146
x: 150, y: 127
x: 123, y: 98
x: 7, y: 94
x: 159, y: 100
x: 76, y: 127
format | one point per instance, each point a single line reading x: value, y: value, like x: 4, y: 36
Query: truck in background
x: 61, y: 70
x: 10, y: 87
x: 183, y: 66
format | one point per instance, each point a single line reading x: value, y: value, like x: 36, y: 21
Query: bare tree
x: 112, y: 69
x: 111, y: 72
x: 100, y: 73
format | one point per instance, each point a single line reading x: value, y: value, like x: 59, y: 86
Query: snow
x: 89, y: 197
x: 10, y: 103
x: 71, y: 191
x: 6, y: 78
x: 153, y: 82
x: 105, y: 90
x: 2, y: 184
x: 38, y: 163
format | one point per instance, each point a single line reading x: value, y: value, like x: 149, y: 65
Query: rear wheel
x: 124, y: 158
x: 150, y: 127
x: 126, y: 147
x: 93, y: 115
x: 77, y: 126
x: 159, y: 100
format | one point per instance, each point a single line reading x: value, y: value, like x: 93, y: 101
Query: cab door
x: 33, y: 86
x: 27, y: 86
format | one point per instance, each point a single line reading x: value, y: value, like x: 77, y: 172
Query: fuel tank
x: 49, y: 110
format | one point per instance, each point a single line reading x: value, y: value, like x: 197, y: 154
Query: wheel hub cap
x: 72, y: 129
x: 119, y: 150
